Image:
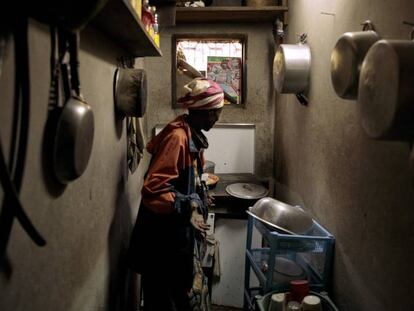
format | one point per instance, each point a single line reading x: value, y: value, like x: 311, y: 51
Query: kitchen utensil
x: 347, y: 57
x: 282, y: 216
x: 212, y: 180
x: 75, y: 127
x: 277, y: 302
x: 299, y: 289
x: 131, y: 91
x: 276, y: 227
x: 327, y: 304
x: 293, y: 306
x: 386, y: 93
x: 247, y: 191
x: 311, y: 303
x: 287, y: 270
x: 291, y: 67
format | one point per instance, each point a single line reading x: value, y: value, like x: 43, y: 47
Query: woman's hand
x: 197, y: 219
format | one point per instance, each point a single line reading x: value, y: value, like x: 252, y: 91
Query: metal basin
x: 281, y: 216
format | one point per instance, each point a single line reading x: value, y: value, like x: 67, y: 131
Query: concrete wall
x: 360, y: 189
x: 87, y: 224
x: 259, y: 105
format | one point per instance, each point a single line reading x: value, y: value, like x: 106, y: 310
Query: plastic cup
x: 293, y: 306
x: 299, y: 289
x: 311, y: 303
x: 277, y: 302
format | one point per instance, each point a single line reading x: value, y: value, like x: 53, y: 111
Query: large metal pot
x: 347, y: 57
x: 386, y: 93
x: 291, y: 68
x: 131, y: 91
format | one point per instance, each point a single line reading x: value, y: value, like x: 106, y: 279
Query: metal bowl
x: 281, y: 216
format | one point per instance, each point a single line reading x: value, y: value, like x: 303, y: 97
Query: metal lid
x: 246, y: 191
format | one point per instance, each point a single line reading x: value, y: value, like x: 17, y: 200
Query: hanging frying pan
x: 347, y: 57
x: 75, y: 127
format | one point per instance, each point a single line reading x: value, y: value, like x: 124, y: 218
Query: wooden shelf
x: 230, y: 14
x: 120, y: 22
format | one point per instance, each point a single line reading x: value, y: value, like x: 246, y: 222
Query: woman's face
x: 204, y: 119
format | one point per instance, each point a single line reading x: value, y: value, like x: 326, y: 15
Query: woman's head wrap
x: 202, y: 94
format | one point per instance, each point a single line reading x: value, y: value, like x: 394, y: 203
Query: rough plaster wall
x: 259, y: 107
x: 360, y: 189
x: 87, y: 224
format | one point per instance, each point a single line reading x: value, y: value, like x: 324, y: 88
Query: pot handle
x: 73, y: 40
x: 412, y: 30
x: 368, y: 25
x: 302, y: 98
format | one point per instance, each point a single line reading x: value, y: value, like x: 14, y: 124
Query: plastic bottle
x: 156, y: 31
x: 146, y: 15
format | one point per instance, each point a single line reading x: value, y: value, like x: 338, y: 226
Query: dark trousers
x: 162, y: 292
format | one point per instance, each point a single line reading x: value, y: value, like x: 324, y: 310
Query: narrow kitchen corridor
x: 251, y: 155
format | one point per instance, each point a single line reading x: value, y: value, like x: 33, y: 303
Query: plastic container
x: 327, y: 304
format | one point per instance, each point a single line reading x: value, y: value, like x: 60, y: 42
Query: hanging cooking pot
x: 386, y: 93
x: 347, y: 57
x: 75, y: 127
x: 131, y: 91
x: 291, y: 67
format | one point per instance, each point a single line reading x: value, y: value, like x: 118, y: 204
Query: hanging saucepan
x: 291, y: 67
x: 75, y: 128
x: 386, y: 92
x: 131, y: 91
x: 347, y: 57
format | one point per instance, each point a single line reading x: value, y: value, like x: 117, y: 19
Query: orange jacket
x: 171, y: 169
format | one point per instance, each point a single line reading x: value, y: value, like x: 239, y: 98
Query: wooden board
x: 230, y: 14
x: 119, y: 21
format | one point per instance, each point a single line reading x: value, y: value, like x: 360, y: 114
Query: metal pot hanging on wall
x: 386, y: 93
x: 131, y: 91
x: 347, y: 57
x: 291, y: 67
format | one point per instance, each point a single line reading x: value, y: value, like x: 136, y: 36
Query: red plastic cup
x: 298, y: 290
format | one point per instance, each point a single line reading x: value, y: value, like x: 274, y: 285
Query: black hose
x: 12, y: 184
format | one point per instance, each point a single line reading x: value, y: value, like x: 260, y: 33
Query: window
x: 219, y: 58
